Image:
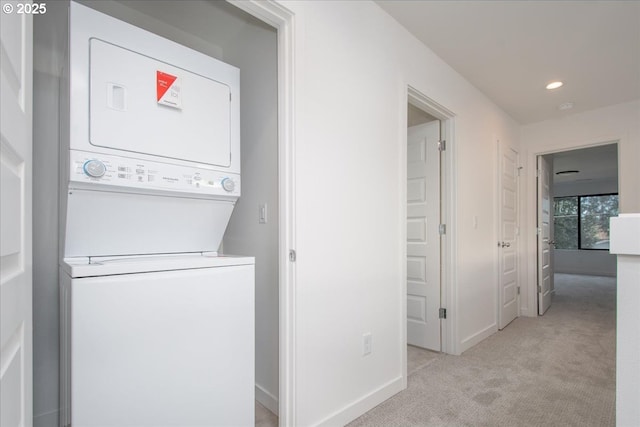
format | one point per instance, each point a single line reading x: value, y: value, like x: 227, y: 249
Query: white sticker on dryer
x: 168, y: 90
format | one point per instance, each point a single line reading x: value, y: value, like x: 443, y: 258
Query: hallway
x: 557, y: 370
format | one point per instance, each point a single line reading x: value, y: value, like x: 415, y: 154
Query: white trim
x: 266, y: 399
x: 402, y: 204
x: 497, y: 202
x: 451, y: 332
x: 363, y: 405
x: 529, y: 213
x: 449, y: 286
x: 474, y: 339
x: 283, y: 20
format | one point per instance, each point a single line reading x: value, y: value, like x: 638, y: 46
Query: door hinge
x: 442, y: 145
x: 442, y: 313
x: 518, y: 290
x: 519, y: 170
x: 442, y: 229
x: 292, y: 255
x: 229, y: 96
x: 539, y: 289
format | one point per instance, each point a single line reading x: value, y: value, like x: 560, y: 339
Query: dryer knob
x: 94, y: 168
x: 228, y: 185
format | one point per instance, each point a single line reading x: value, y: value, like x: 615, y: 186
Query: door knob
x: 504, y: 244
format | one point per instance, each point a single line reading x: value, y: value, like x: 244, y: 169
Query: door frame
x: 283, y: 20
x: 448, y: 280
x: 529, y: 211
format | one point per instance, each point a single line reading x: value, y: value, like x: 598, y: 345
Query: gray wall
x: 254, y: 52
x: 50, y: 41
x: 593, y: 263
x: 596, y: 263
x: 203, y: 26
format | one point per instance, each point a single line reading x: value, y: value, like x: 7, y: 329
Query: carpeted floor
x: 554, y: 370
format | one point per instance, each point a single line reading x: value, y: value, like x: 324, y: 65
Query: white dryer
x: 157, y: 329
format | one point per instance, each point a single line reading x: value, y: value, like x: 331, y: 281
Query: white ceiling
x: 593, y: 164
x: 511, y: 49
x: 415, y: 116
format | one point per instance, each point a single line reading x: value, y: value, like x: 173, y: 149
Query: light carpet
x: 553, y: 370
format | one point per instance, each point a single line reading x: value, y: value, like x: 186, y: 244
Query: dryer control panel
x: 132, y: 173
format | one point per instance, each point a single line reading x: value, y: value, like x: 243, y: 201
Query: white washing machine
x: 157, y: 328
x: 159, y: 341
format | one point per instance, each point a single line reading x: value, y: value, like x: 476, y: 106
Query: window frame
x: 579, y: 215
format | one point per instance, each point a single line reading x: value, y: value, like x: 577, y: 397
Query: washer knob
x: 94, y: 168
x: 228, y: 184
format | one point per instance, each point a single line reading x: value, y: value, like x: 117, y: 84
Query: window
x: 582, y: 222
x: 565, y: 222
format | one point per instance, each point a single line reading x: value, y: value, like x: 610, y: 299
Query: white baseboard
x: 266, y: 399
x: 48, y: 419
x: 587, y: 272
x: 362, y: 405
x: 524, y: 312
x: 474, y: 339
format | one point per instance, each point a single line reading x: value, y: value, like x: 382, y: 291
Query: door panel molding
x: 545, y: 225
x: 508, y: 279
x: 16, y: 354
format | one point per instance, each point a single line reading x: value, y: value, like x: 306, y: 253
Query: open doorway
x: 582, y: 195
x: 429, y: 254
x: 237, y: 34
x: 423, y: 237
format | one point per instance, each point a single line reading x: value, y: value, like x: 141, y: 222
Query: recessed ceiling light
x: 566, y: 106
x: 567, y: 172
x: 554, y: 85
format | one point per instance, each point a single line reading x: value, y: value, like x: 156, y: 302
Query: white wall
x: 620, y: 123
x: 353, y: 63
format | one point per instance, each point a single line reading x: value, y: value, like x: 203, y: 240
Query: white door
x: 545, y: 245
x: 15, y: 217
x: 423, y: 236
x: 507, y: 240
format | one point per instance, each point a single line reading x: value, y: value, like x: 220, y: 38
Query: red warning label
x: 168, y: 89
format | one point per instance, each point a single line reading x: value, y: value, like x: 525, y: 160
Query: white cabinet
x: 159, y: 347
x: 625, y: 243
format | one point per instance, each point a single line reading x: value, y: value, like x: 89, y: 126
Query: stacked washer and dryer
x: 157, y: 328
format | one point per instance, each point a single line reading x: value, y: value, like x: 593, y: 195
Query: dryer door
x: 138, y: 104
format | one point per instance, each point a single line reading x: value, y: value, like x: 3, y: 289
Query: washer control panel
x: 127, y: 172
x: 94, y: 168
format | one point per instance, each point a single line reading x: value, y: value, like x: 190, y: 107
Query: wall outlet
x: 367, y: 344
